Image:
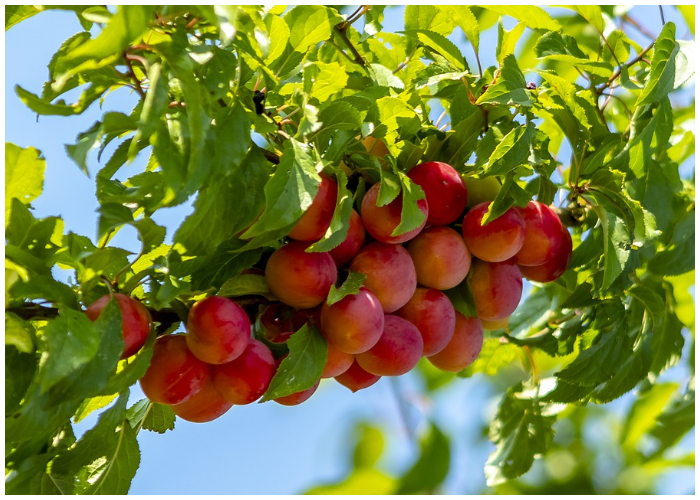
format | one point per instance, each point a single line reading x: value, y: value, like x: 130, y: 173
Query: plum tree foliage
x: 240, y: 108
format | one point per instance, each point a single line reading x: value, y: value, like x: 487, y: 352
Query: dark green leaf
x: 431, y: 468
x: 302, y: 368
x: 663, y: 67
x: 351, y: 286
x: 246, y: 284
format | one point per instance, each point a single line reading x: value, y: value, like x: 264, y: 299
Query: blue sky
x: 264, y: 448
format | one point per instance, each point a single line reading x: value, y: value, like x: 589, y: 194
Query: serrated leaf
x: 428, y: 17
x: 90, y: 405
x: 279, y: 36
x: 104, y: 460
x: 522, y: 429
x: 310, y: 24
x: 663, y: 67
x: 509, y: 87
x: 340, y: 115
x: 158, y: 418
x: 246, y: 284
x: 650, y: 299
x: 507, y: 40
x: 616, y: 245
x: 303, y: 367
x: 330, y: 80
x: 534, y: 17
x: 512, y: 152
x: 15, y: 14
x: 464, y: 18
x: 494, y: 355
x: 24, y: 174
x: 666, y: 343
x: 289, y: 191
x: 351, y: 286
x: 442, y: 46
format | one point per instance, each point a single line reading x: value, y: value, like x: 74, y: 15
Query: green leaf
x: 351, y: 286
x: 464, y: 18
x: 666, y: 343
x: 159, y: 418
x: 340, y: 223
x: 534, y: 17
x: 494, y: 356
x: 19, y: 372
x: 279, y: 36
x: 310, y: 24
x: 42, y: 107
x: 432, y: 466
x: 228, y: 205
x: 90, y: 405
x: 339, y: 115
x: 509, y: 88
x: 512, y: 152
x: 663, y: 67
x: 591, y: 13
x: 289, y: 191
x: 616, y: 245
x: 113, y: 123
x: 129, y: 371
x: 507, y: 40
x: 442, y: 46
x: 303, y: 367
x: 641, y: 418
x: 330, y: 80
x: 19, y: 333
x: 651, y: 300
x: 428, y: 17
x: 676, y: 419
x: 24, y: 174
x: 15, y: 14
x: 462, y: 299
x: 123, y: 28
x: 246, y: 284
x: 412, y: 216
x: 104, y: 460
x: 521, y: 430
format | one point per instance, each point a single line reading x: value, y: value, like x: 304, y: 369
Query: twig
x: 129, y: 58
x: 405, y: 62
x: 618, y: 71
x: 478, y: 62
x: 661, y: 10
x: 344, y: 36
x: 269, y: 155
x: 354, y: 16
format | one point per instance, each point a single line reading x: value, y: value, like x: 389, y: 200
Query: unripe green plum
x: 136, y: 321
x: 247, y: 377
x: 205, y: 406
x: 440, y: 256
x: 300, y: 279
x: 496, y: 288
x: 553, y: 268
x: 175, y: 374
x: 496, y: 241
x: 356, y: 378
x: 398, y: 350
x: 354, y: 323
x: 543, y: 235
x: 218, y: 330
x: 464, y: 346
x: 317, y: 218
x: 444, y: 191
x: 380, y: 222
x: 500, y: 324
x: 391, y: 275
x: 343, y: 253
x: 481, y: 190
x: 433, y: 314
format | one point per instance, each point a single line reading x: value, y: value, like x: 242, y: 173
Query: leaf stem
x: 533, y: 365
x: 344, y: 36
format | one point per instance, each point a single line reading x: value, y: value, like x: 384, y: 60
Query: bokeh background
x: 271, y: 449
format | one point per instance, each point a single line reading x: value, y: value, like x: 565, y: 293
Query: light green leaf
x: 310, y: 24
x: 279, y: 36
x: 19, y: 333
x: 507, y: 40
x: 339, y: 115
x: 463, y: 16
x: 442, y: 46
x: 494, y: 356
x: 663, y: 67
x: 534, y: 17
x: 641, y: 418
x: 351, y: 286
x: 591, y: 13
x: 509, y: 87
x: 428, y: 17
x: 303, y: 367
x: 331, y: 79
x: 90, y: 405
x: 512, y: 152
x: 246, y: 284
x: 15, y: 14
x: 24, y: 175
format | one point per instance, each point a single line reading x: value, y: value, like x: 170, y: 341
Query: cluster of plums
x: 399, y: 314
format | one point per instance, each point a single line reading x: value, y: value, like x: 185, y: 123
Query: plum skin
x: 354, y: 323
x: 380, y: 222
x: 464, y: 346
x: 247, y: 377
x: 441, y: 257
x: 317, y: 218
x: 136, y: 321
x: 496, y: 241
x: 218, y: 330
x: 444, y: 190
